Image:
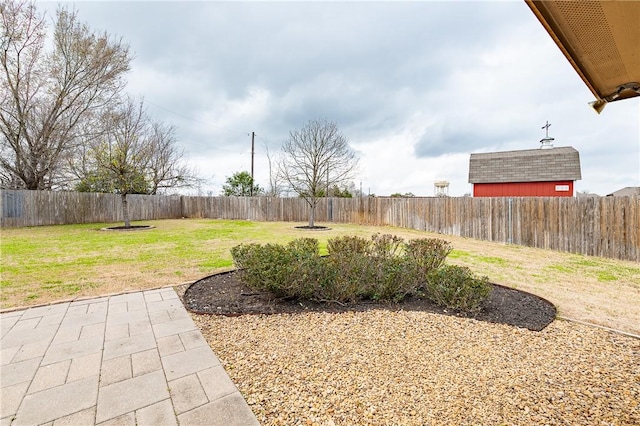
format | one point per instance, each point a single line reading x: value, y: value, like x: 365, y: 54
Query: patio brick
x: 130, y: 395
x: 57, y: 402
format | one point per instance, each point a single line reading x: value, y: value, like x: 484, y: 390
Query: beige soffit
x: 601, y: 40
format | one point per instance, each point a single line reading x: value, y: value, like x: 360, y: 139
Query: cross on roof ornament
x: 546, y: 142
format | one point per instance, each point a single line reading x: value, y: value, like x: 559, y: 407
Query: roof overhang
x: 601, y: 40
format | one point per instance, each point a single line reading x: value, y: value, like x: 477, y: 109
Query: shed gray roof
x: 529, y: 165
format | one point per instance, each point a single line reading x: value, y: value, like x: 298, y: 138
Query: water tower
x: 441, y: 188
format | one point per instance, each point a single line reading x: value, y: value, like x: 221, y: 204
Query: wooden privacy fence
x: 598, y: 226
x: 36, y: 208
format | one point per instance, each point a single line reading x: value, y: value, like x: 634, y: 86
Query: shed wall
x: 523, y: 189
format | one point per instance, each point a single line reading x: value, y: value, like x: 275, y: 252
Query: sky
x: 415, y: 87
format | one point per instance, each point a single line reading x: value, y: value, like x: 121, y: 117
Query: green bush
x: 393, y: 280
x: 427, y: 254
x: 456, y: 287
x: 347, y: 246
x: 383, y: 268
x: 353, y: 277
x: 304, y: 247
x: 350, y: 265
x: 385, y: 246
x: 266, y: 267
x: 368, y: 268
x: 379, y: 246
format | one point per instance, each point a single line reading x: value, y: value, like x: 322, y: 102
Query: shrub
x: 379, y: 246
x: 427, y: 254
x: 353, y: 274
x: 358, y: 269
x: 347, y: 245
x: 304, y: 247
x: 456, y: 287
x: 385, y: 246
x: 393, y: 280
x: 265, y: 267
x: 350, y: 266
x: 332, y: 285
x: 307, y: 278
x: 367, y: 268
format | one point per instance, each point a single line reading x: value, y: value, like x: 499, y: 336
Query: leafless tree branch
x: 46, y: 96
x: 315, y: 158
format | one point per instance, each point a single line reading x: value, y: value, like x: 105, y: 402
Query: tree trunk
x: 125, y: 211
x: 312, y: 214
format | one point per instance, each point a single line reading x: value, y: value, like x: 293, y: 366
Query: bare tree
x: 45, y: 96
x: 122, y: 158
x: 315, y: 158
x: 276, y: 181
x: 133, y: 156
x: 167, y: 168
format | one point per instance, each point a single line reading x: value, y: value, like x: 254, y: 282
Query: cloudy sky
x: 415, y: 86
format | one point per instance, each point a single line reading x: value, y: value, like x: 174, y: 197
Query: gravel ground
x: 417, y: 368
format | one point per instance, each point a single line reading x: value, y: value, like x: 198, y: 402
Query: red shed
x: 527, y: 173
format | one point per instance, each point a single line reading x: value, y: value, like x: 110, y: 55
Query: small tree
x: 122, y: 157
x: 134, y: 156
x: 315, y: 158
x: 240, y: 184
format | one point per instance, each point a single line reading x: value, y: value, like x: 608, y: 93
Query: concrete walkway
x: 131, y: 359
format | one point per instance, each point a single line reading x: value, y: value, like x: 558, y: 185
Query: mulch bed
x: 225, y: 294
x: 128, y: 228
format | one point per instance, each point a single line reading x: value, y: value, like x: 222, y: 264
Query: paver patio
x: 130, y: 359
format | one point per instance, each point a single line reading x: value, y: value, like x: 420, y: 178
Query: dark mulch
x: 224, y: 294
x: 128, y: 228
x: 313, y: 228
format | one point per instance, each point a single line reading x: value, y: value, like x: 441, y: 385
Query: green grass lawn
x: 50, y: 263
x: 41, y: 264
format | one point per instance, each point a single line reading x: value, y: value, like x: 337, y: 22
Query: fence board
x: 599, y: 226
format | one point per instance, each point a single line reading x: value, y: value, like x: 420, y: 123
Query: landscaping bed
x: 359, y: 274
x: 225, y: 294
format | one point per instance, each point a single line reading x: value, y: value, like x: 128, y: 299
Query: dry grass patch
x: 574, y: 283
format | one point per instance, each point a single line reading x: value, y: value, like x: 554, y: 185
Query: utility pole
x: 253, y: 152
